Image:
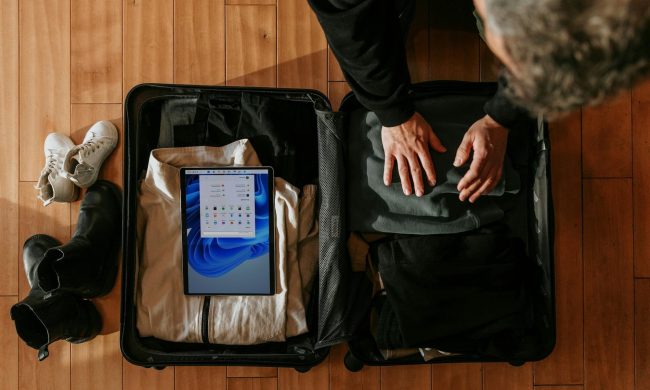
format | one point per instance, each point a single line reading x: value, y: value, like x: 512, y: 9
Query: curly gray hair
x: 571, y: 52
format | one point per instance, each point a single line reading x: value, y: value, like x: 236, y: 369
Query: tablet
x: 228, y: 230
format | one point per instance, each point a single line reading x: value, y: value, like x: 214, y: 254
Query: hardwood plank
x: 199, y: 42
x: 251, y: 45
x: 9, y: 146
x: 337, y: 91
x: 341, y: 378
x: 503, y: 376
x: 245, y: 371
x: 454, y: 55
x: 457, y: 376
x: 415, y: 377
x: 642, y: 334
x: 96, y: 51
x: 417, y: 45
x: 200, y: 378
x: 567, y: 387
x: 44, y: 78
x: 641, y: 143
x: 302, y: 48
x: 607, y: 136
x: 608, y: 284
x: 85, y: 115
x: 251, y: 2
x: 8, y: 345
x: 252, y: 383
x: 490, y: 64
x: 315, y: 379
x: 98, y: 361
x: 334, y: 72
x: 53, y: 372
x: 148, y: 42
x: 138, y: 378
x: 566, y: 364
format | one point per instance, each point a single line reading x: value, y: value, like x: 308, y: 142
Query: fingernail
x: 457, y: 162
x: 419, y: 194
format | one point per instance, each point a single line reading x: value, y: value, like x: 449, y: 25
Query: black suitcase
x: 337, y: 311
x: 535, y: 218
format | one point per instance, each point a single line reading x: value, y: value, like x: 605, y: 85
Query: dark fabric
x: 374, y: 207
x: 282, y: 132
x: 458, y: 293
x: 367, y: 38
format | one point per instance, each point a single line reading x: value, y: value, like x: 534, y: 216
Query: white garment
x: 163, y: 311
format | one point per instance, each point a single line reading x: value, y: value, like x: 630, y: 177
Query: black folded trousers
x: 465, y: 293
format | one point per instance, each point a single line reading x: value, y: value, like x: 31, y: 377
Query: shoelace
x: 51, y: 160
x: 91, y: 145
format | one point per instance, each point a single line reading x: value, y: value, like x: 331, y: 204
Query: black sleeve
x: 502, y: 110
x: 366, y: 38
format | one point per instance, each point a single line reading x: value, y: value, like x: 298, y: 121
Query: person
x: 558, y: 55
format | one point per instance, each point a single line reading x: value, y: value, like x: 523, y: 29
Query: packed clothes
x: 163, y: 311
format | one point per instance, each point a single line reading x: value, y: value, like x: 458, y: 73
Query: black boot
x: 42, y: 318
x: 87, y: 265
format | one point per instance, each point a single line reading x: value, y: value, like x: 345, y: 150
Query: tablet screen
x: 228, y: 231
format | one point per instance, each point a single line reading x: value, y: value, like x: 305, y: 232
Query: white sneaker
x: 52, y: 186
x: 83, y: 162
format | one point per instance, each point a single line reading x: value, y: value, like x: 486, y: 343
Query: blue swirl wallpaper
x: 214, y: 257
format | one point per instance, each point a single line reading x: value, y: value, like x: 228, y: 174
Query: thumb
x: 462, y: 154
x: 435, y: 143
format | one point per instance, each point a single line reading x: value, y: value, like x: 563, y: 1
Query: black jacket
x: 367, y: 39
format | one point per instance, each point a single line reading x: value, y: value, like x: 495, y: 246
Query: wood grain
x: 53, y: 372
x: 608, y: 284
x: 454, y: 55
x: 337, y: 91
x: 417, y: 45
x: 567, y: 387
x: 642, y: 334
x: 200, y: 378
x: 641, y: 142
x: 490, y: 64
x: 566, y: 363
x: 334, y: 72
x: 199, y: 42
x: 457, y: 376
x: 302, y: 48
x: 252, y: 383
x: 317, y: 378
x: 8, y: 346
x: 251, y: 2
x: 503, y: 376
x: 9, y: 146
x: 607, y: 138
x: 251, y: 45
x: 140, y: 378
x: 98, y: 361
x: 341, y: 378
x: 148, y: 42
x: 96, y: 51
x: 415, y: 377
x: 44, y: 79
x: 245, y: 371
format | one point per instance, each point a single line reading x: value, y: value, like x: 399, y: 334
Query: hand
x: 409, y: 144
x: 488, y: 140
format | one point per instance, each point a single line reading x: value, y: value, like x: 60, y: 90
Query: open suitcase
x: 341, y: 298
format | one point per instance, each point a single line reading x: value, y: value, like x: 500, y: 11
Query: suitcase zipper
x: 204, y: 320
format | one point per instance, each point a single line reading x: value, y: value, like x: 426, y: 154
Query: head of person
x: 561, y: 54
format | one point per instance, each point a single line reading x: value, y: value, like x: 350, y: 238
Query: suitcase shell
x: 362, y: 349
x: 339, y: 305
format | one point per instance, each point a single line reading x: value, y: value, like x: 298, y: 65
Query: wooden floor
x: 65, y: 64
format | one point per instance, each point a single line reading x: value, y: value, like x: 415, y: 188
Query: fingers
x: 389, y: 164
x: 435, y: 142
x: 478, y: 164
x: 427, y: 163
x: 462, y: 154
x: 403, y: 169
x: 416, y: 174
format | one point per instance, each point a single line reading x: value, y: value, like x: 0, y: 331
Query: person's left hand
x: 488, y: 139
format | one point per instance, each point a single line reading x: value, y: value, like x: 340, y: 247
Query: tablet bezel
x: 272, y: 262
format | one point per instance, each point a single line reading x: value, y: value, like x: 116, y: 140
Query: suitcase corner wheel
x: 351, y: 363
x: 302, y: 370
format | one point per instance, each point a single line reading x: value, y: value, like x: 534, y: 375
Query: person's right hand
x: 408, y: 144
